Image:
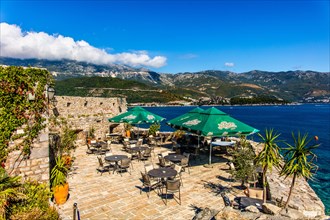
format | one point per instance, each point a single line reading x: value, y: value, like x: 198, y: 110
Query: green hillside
x: 134, y: 91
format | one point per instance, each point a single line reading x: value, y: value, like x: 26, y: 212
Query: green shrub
x: 153, y: 129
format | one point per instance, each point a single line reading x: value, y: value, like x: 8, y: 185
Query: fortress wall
x: 82, y: 114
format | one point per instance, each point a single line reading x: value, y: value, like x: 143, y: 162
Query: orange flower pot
x: 128, y: 133
x: 61, y: 193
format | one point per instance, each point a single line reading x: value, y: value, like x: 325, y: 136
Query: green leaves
x: 270, y: 154
x: 299, y: 157
x: 15, y: 108
x: 299, y: 160
x: 59, y: 172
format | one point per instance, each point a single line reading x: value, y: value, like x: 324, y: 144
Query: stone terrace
x: 118, y: 197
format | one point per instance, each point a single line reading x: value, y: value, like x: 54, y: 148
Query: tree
x: 269, y: 156
x: 299, y: 160
x: 243, y: 156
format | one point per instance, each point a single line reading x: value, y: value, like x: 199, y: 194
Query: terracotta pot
x: 61, y: 193
x: 128, y: 133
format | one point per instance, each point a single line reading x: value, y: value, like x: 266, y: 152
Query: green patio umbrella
x: 213, y: 122
x: 137, y: 115
x: 178, y: 121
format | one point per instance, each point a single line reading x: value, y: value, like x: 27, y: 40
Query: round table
x: 132, y: 141
x: 162, y: 172
x: 138, y: 149
x: 115, y: 158
x: 174, y: 157
x: 223, y: 143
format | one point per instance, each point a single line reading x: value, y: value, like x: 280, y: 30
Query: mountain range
x: 296, y: 86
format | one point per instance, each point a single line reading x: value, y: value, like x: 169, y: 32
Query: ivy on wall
x: 17, y: 111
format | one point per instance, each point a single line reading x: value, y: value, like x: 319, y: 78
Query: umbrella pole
x: 210, y: 153
x: 198, y: 142
x: 138, y: 131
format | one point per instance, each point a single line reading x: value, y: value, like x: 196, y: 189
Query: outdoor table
x: 96, y: 144
x: 174, y: 157
x: 132, y: 141
x: 223, y: 143
x: 113, y: 136
x: 162, y: 172
x: 138, y: 149
x: 116, y: 159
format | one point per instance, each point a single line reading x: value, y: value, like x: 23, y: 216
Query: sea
x: 313, y: 119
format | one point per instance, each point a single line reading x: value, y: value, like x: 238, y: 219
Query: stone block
x: 24, y: 169
x: 28, y: 173
x: 42, y: 166
x: 292, y: 214
x: 45, y: 177
x: 35, y: 162
x: 270, y: 209
x: 252, y: 209
x: 39, y: 153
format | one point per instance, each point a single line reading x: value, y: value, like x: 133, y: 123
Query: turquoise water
x: 311, y: 118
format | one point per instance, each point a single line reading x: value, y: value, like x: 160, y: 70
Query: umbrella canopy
x: 178, y: 121
x: 213, y: 122
x: 137, y: 115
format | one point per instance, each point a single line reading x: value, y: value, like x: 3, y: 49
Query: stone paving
x: 112, y: 196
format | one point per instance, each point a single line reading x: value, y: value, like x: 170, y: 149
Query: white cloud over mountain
x: 229, y: 64
x: 18, y: 44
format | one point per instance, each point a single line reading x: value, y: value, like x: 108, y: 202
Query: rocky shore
x: 304, y: 201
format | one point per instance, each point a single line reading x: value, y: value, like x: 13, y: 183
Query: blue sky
x: 172, y: 36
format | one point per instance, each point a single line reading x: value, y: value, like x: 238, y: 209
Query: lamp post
x: 50, y: 93
x: 52, y: 100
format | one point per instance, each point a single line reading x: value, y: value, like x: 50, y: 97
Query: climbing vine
x: 17, y: 111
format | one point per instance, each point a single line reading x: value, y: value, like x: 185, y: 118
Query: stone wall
x: 36, y: 167
x: 85, y: 112
x: 82, y: 114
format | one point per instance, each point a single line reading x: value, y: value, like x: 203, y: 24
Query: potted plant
x: 67, y: 144
x: 153, y: 129
x: 59, y: 184
x: 128, y: 128
x: 91, y: 134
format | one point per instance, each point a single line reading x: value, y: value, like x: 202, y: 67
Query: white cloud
x: 17, y: 44
x: 229, y: 64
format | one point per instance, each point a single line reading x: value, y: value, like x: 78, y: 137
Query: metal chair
x: 185, y: 164
x: 172, y: 187
x: 163, y: 162
x: 150, y: 183
x: 103, y: 168
x: 148, y: 167
x: 124, y: 165
x: 90, y: 150
x: 178, y: 169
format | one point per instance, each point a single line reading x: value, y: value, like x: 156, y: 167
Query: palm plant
x: 59, y: 172
x: 269, y: 156
x: 299, y: 160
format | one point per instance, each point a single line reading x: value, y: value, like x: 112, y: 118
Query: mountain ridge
x: 298, y: 85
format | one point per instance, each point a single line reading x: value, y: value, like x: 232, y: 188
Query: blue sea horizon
x: 313, y: 119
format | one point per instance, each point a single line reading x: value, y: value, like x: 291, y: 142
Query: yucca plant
x: 59, y: 172
x: 299, y: 160
x: 269, y: 156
